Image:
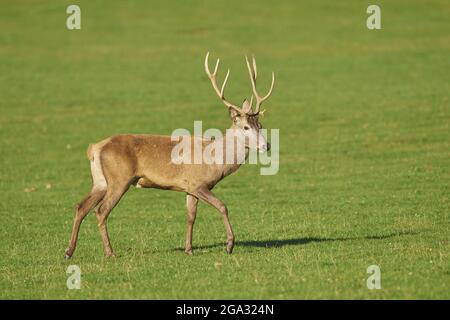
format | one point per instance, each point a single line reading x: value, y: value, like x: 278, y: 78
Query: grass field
x: 364, y: 158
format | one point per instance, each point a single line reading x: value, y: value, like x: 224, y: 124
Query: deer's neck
x: 235, y: 153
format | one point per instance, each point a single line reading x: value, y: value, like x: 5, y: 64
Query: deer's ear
x: 233, y: 113
x: 246, y: 106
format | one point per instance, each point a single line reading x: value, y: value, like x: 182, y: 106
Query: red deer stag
x: 145, y: 161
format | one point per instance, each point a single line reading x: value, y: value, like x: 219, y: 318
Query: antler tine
x: 254, y: 66
x: 271, y: 87
x: 220, y: 92
x: 217, y: 66
x: 252, y: 78
x: 224, y: 83
x: 253, y: 73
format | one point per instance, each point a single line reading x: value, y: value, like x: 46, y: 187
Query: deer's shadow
x: 299, y: 241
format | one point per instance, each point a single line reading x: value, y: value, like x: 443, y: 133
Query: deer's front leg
x: 191, y: 205
x: 207, y: 196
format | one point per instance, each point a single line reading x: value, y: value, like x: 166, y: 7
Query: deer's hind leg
x: 119, y: 174
x: 88, y: 203
x: 82, y: 209
x: 191, y: 205
x: 112, y: 197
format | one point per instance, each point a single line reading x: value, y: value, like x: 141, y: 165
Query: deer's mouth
x: 263, y: 148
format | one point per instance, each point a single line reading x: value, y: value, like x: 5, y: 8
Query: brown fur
x: 145, y: 161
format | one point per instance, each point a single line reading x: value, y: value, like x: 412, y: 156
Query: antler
x: 253, y: 73
x: 220, y: 92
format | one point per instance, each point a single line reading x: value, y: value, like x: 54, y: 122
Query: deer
x: 144, y: 161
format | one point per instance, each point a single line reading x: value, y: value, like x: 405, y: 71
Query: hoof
x: 110, y: 256
x: 67, y: 255
x: 230, y: 248
x: 189, y: 252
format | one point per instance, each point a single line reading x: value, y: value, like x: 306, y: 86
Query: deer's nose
x: 264, y: 147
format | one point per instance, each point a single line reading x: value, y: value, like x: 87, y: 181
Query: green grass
x: 365, y: 144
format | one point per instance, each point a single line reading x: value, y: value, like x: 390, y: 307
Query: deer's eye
x: 246, y: 128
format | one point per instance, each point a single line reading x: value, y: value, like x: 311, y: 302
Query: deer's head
x: 244, y: 119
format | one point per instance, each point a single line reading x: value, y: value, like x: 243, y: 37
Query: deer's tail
x: 94, y: 155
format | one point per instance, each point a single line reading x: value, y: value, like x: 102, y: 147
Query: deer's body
x: 146, y: 161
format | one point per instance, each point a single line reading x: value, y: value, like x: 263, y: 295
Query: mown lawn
x: 364, y: 148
